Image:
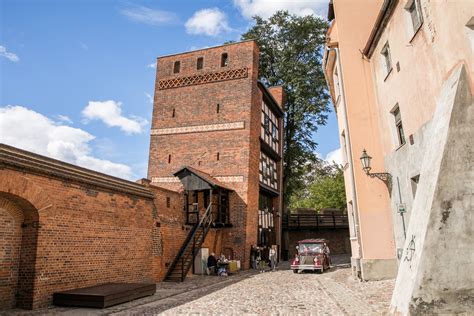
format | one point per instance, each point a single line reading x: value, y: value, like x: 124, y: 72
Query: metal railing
x: 193, y: 243
x: 299, y: 221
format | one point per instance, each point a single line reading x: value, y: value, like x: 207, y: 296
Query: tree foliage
x: 326, y: 191
x: 291, y: 50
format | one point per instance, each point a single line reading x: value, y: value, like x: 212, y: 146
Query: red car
x: 312, y: 254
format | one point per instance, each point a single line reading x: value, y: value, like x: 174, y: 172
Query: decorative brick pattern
x: 198, y: 128
x: 228, y: 179
x: 204, y: 78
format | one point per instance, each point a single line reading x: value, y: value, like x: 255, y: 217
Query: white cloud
x: 63, y: 119
x: 148, y: 16
x: 209, y: 22
x: 334, y: 156
x: 266, y: 8
x: 152, y: 65
x: 32, y: 131
x: 149, y: 97
x: 110, y: 112
x: 8, y: 55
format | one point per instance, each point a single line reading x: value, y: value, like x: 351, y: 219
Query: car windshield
x: 310, y: 248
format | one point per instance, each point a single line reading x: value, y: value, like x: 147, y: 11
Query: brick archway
x: 17, y: 185
x: 19, y: 228
x: 20, y: 200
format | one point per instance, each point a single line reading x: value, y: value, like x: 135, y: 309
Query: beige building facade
x: 411, y: 75
x: 350, y: 85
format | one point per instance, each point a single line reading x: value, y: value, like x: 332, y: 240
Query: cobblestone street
x: 271, y: 293
x: 286, y: 293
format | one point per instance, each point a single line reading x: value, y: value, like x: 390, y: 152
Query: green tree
x: 327, y: 191
x: 291, y: 49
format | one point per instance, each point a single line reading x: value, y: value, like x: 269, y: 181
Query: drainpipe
x: 349, y: 149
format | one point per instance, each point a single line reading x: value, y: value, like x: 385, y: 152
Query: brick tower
x: 216, y: 138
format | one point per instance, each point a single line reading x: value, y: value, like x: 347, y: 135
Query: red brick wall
x: 85, y: 236
x: 11, y: 219
x: 239, y: 100
x: 169, y: 231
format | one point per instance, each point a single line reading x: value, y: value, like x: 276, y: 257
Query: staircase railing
x: 192, y: 241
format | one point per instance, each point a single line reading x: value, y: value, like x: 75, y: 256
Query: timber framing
x: 25, y: 161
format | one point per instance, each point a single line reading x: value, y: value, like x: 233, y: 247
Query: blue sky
x: 76, y: 77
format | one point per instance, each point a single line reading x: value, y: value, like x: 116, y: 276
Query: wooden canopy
x: 196, y: 180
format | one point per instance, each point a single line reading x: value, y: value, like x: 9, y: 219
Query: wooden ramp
x: 104, y: 295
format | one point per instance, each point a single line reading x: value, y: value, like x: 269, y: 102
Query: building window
x: 168, y: 202
x: 224, y: 60
x: 337, y: 88
x: 218, y: 156
x: 269, y: 128
x: 218, y: 108
x: 399, y: 126
x: 352, y: 219
x: 176, y: 67
x: 169, y: 158
x: 200, y: 63
x: 413, y: 7
x: 174, y: 113
x: 344, y: 148
x: 268, y: 174
x: 387, y: 58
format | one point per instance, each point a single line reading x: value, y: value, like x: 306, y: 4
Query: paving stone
x: 281, y: 292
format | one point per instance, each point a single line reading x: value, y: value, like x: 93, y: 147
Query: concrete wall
x: 442, y: 224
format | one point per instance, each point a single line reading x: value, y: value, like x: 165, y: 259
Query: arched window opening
x: 176, y: 67
x: 200, y: 63
x: 224, y: 60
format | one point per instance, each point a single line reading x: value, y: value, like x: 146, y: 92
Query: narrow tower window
x: 200, y: 63
x: 176, y: 67
x: 174, y: 113
x: 224, y: 60
x: 218, y: 156
x: 169, y: 158
x: 218, y: 108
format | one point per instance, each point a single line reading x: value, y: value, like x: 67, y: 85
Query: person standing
x: 212, y: 264
x: 273, y: 257
x: 260, y: 260
x: 253, y: 258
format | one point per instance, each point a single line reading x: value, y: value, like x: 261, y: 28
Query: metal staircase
x: 184, y: 259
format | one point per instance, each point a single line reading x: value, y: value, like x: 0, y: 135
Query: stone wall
x: 338, y: 239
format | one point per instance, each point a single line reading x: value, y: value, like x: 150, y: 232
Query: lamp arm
x: 384, y: 176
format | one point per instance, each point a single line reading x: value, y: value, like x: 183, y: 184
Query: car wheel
x: 295, y: 271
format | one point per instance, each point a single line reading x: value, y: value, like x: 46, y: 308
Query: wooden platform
x: 104, y: 295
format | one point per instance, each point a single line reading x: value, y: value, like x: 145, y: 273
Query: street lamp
x: 384, y: 176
